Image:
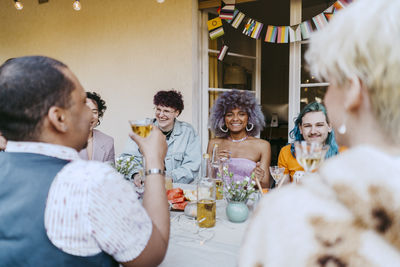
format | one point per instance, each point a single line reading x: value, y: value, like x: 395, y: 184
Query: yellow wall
x: 124, y: 49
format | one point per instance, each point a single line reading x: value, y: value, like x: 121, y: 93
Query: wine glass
x: 310, y: 155
x: 277, y: 173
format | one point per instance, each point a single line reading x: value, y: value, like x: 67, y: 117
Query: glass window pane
x: 311, y: 94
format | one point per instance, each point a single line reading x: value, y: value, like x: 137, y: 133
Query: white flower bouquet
x: 123, y: 164
x: 238, y: 190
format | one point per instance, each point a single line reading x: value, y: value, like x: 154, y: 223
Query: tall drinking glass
x: 310, y: 155
x: 206, y: 205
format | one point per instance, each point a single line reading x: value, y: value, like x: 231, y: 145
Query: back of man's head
x: 29, y: 86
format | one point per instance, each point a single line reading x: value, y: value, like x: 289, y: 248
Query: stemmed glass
x: 310, y: 155
x: 277, y: 173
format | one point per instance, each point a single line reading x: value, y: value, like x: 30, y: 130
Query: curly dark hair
x: 171, y: 98
x: 228, y: 101
x: 101, y: 104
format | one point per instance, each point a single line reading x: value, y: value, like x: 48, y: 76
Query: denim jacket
x: 183, y: 158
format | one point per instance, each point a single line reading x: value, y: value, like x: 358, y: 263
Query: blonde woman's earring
x: 342, y: 129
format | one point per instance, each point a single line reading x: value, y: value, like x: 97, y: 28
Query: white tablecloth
x: 203, y: 247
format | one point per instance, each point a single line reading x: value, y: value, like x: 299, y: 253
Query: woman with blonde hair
x: 347, y: 213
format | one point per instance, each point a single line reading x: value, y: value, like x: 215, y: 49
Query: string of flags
x: 273, y: 34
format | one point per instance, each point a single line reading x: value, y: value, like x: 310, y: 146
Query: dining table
x: 190, y: 245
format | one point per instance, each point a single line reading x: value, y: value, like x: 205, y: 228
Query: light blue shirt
x: 183, y: 158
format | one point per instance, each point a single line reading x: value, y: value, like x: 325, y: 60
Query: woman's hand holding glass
x: 224, y: 155
x: 259, y: 173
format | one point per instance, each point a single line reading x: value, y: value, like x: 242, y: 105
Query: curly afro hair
x: 228, y: 101
x: 101, y: 104
x: 171, y: 98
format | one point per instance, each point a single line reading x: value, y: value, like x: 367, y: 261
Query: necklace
x: 238, y: 140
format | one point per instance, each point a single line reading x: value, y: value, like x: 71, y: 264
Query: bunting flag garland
x: 320, y: 21
x: 306, y: 29
x: 215, y: 28
x: 294, y: 33
x: 274, y: 34
x: 227, y: 12
x: 223, y: 52
x: 283, y: 34
x: 238, y: 19
x: 271, y: 34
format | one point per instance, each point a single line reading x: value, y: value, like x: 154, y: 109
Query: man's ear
x: 329, y: 128
x: 57, y: 119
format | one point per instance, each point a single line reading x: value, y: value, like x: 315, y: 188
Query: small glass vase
x: 237, y: 211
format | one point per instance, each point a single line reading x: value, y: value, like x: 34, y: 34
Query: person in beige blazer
x: 100, y: 146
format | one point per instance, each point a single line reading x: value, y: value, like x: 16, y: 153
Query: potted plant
x: 237, y: 193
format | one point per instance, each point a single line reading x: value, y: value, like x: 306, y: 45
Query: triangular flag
x: 295, y: 33
x: 329, y: 12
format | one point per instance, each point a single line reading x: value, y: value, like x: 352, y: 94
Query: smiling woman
x: 100, y: 146
x: 236, y: 120
x: 183, y: 158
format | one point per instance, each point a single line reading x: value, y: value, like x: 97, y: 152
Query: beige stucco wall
x: 124, y: 49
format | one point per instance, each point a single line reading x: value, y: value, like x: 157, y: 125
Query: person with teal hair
x: 312, y: 125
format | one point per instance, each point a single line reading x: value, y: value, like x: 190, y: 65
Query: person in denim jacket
x: 183, y: 158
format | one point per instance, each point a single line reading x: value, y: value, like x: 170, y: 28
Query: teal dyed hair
x: 296, y: 135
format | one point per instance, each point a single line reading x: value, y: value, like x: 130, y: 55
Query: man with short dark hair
x: 58, y: 210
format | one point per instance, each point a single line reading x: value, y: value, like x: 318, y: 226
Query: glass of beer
x: 206, y: 206
x: 168, y: 181
x: 142, y: 127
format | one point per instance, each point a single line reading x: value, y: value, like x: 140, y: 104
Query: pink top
x: 241, y: 167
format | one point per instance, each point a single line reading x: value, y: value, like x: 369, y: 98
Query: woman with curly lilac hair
x: 236, y: 119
